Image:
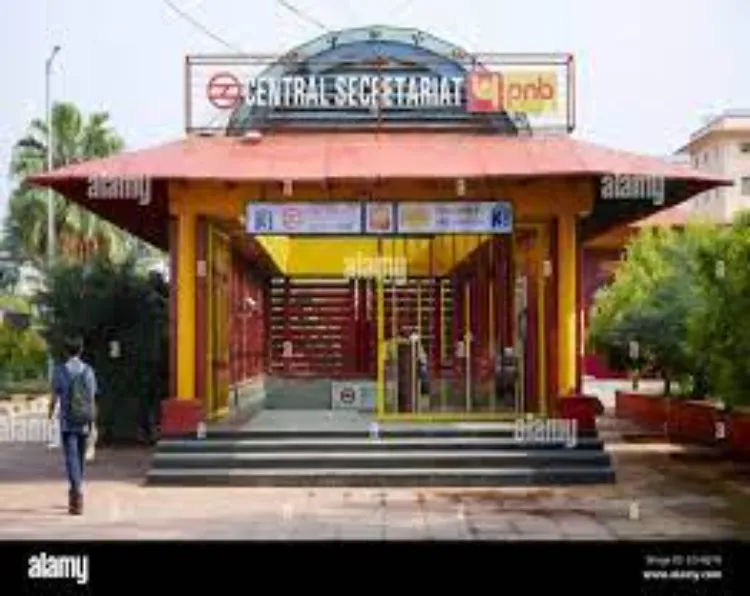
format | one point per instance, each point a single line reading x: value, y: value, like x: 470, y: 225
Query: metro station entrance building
x: 376, y: 220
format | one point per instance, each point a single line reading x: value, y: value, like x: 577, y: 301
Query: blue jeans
x: 74, y: 450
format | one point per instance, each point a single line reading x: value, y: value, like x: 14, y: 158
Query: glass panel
x: 468, y: 342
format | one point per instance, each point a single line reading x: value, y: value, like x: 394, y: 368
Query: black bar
x: 605, y: 568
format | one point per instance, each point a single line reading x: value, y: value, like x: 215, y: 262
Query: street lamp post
x: 50, y: 195
x: 50, y: 143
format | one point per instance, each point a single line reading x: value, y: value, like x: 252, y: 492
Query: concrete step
x: 494, y: 431
x: 375, y: 459
x: 284, y: 444
x: 450, y: 455
x: 385, y: 477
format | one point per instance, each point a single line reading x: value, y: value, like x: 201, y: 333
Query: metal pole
x: 50, y: 195
x: 50, y: 145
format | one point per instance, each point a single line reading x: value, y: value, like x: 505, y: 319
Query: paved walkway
x: 658, y: 495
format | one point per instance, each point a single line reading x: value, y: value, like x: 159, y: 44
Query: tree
x: 10, y: 273
x: 719, y: 327
x: 81, y: 234
x: 651, y: 302
x: 112, y: 304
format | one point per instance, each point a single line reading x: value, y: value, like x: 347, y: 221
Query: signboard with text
x: 373, y: 74
x: 290, y: 219
x: 455, y: 218
x: 530, y: 92
x: 381, y: 219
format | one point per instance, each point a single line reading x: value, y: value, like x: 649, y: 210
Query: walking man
x: 74, y: 387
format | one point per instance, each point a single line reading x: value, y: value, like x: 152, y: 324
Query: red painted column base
x: 180, y: 416
x: 582, y: 408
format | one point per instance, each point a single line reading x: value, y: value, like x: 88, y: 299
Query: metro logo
x: 484, y: 92
x: 519, y: 92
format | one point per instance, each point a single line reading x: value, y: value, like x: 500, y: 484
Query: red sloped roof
x: 673, y: 216
x: 332, y: 155
x: 679, y: 217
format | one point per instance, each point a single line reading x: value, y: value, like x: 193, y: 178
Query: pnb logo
x: 484, y: 92
x: 517, y: 92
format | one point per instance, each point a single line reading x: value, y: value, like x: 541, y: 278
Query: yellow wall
x: 536, y: 200
x: 533, y: 201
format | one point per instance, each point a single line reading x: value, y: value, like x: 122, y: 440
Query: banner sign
x: 354, y: 91
x: 380, y: 219
x: 290, y: 219
x: 455, y: 218
x: 530, y: 92
x: 378, y: 76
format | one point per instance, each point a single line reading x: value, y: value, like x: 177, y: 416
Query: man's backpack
x: 80, y: 402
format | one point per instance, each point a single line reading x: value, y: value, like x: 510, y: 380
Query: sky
x: 648, y: 72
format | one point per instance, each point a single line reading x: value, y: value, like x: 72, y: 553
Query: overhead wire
x: 201, y: 27
x: 303, y: 15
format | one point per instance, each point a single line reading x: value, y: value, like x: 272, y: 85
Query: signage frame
x: 271, y: 205
x: 508, y: 205
x: 393, y: 208
x: 237, y: 70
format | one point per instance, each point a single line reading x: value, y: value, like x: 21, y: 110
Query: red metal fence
x: 248, y: 349
x: 328, y: 328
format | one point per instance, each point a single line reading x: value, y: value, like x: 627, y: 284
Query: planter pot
x: 694, y: 421
x: 180, y: 416
x: 690, y: 421
x: 738, y: 434
x: 582, y: 408
x: 647, y: 410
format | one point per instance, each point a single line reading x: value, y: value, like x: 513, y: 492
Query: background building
x: 722, y: 147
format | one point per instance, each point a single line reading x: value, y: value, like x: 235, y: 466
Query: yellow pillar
x: 186, y: 271
x: 566, y: 300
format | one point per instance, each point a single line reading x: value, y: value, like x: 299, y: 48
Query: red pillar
x: 364, y: 331
x: 351, y: 344
x: 202, y: 335
x: 552, y: 323
x: 287, y: 332
x: 579, y: 322
x: 436, y: 288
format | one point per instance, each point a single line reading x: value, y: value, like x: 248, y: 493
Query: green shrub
x: 23, y: 354
x: 105, y: 303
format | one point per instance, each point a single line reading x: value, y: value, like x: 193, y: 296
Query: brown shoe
x: 75, y: 503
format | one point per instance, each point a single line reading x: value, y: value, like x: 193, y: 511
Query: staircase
x: 437, y: 456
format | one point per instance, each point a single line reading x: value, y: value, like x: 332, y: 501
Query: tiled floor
x: 654, y: 498
x: 661, y: 492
